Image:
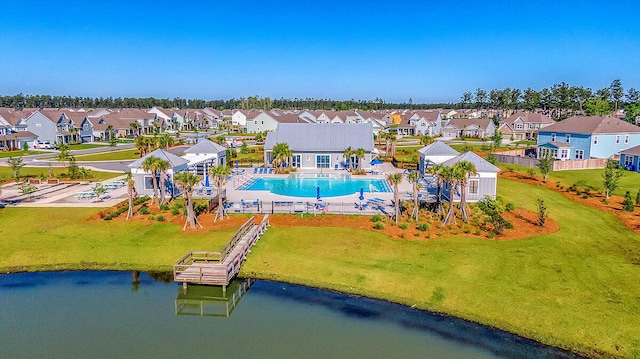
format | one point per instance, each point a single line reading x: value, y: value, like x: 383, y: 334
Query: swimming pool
x: 305, y: 185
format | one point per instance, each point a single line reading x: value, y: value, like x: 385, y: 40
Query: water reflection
x: 211, y: 301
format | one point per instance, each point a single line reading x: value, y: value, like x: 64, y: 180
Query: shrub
x: 378, y: 225
x: 151, y: 217
x: 509, y: 207
x: 175, y: 211
x: 605, y: 201
x: 143, y: 210
x: 401, y: 235
x: 199, y: 208
x: 627, y: 204
x: 491, y: 235
x: 108, y: 217
x: 164, y: 207
x: 160, y: 218
x: 376, y: 218
x: 478, y: 232
x: 404, y: 225
x: 542, y: 212
x: 493, y: 208
x: 422, y: 227
x: 638, y: 198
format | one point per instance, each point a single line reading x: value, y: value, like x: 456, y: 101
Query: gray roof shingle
x: 205, y: 146
x: 174, y: 160
x: 321, y: 137
x: 438, y: 148
x: 481, y: 164
x: 592, y: 124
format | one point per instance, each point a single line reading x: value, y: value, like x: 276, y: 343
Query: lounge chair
x: 270, y: 170
x: 255, y: 170
x: 336, y: 167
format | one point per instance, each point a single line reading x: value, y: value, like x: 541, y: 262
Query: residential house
x: 630, y: 159
x: 239, y: 118
x: 433, y: 154
x: 204, y: 155
x: 524, y: 125
x: 13, y: 129
x: 323, y: 145
x: 42, y: 125
x: 483, y: 183
x: 475, y: 128
x: 267, y: 121
x: 144, y: 179
x: 584, y: 137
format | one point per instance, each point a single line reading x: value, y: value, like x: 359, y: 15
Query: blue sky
x: 430, y: 51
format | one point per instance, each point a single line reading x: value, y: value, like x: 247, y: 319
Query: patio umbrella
x: 376, y: 162
x: 318, y: 193
x: 236, y: 164
x: 361, y: 194
x: 206, y: 181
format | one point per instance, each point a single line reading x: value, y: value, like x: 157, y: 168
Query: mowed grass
x: 86, y: 146
x: 7, y: 174
x: 630, y: 181
x: 7, y: 154
x: 575, y: 289
x: 121, y: 155
x: 54, y: 238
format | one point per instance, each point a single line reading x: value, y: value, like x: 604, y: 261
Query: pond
x: 106, y: 315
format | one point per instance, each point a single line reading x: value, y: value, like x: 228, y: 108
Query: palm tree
x: 436, y: 171
x: 426, y: 140
x: 149, y: 165
x: 413, y: 177
x: 452, y: 176
x: 220, y: 174
x: 395, y: 179
x: 281, y: 154
x: 131, y: 193
x: 162, y: 166
x: 347, y: 154
x: 360, y: 153
x: 466, y: 169
x: 393, y: 140
x: 109, y: 132
x: 141, y: 144
x: 134, y: 128
x: 186, y: 181
x: 166, y: 141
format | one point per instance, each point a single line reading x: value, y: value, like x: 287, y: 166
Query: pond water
x: 106, y: 315
x: 306, y: 185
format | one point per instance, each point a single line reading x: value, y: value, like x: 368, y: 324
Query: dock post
x: 184, y: 286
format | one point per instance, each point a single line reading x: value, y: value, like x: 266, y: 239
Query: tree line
x: 558, y: 101
x: 21, y: 101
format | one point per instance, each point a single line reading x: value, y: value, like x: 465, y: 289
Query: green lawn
x: 86, y: 146
x: 630, y: 181
x: 122, y: 155
x: 5, y: 173
x: 5, y: 154
x: 67, y: 241
x: 576, y: 288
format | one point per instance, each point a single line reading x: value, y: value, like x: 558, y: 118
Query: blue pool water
x: 305, y: 186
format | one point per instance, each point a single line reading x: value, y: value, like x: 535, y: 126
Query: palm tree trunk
x: 191, y: 218
x: 130, y: 210
x: 450, y: 214
x: 162, y: 187
x: 416, y: 207
x: 395, y: 201
x: 155, y: 187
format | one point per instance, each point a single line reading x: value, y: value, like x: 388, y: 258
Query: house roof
x: 205, y: 146
x: 529, y: 117
x: 13, y: 117
x: 174, y: 160
x: 462, y: 123
x: 635, y: 151
x: 481, y: 164
x: 592, y: 125
x: 557, y: 144
x: 321, y: 137
x: 438, y: 148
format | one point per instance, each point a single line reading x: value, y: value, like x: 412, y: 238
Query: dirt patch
x: 591, y: 199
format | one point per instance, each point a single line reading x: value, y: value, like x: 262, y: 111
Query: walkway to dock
x: 219, y: 268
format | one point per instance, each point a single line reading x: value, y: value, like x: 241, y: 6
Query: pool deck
x: 335, y: 204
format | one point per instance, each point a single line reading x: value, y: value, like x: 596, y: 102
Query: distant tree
x: 99, y: 190
x: 466, y: 99
x: 481, y: 99
x: 632, y: 95
x: 244, y: 148
x: 16, y: 164
x: 617, y: 92
x: 597, y: 107
x: 496, y: 138
x: 426, y: 140
x: 530, y: 100
x: 611, y: 176
x: 545, y: 165
x: 638, y: 198
x: 632, y: 111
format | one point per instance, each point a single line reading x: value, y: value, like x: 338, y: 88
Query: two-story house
x: 584, y: 137
x: 524, y: 125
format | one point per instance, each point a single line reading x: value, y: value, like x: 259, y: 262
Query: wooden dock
x: 219, y: 268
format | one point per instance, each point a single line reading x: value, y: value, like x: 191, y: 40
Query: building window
x: 579, y: 154
x: 148, y: 182
x: 568, y: 139
x: 518, y: 126
x: 473, y: 186
x: 626, y: 139
x: 322, y: 161
x: 628, y: 160
x: 564, y: 153
x: 595, y: 140
x: 617, y: 139
x: 553, y: 137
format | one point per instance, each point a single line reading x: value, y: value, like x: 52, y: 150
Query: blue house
x: 630, y: 159
x: 584, y: 137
